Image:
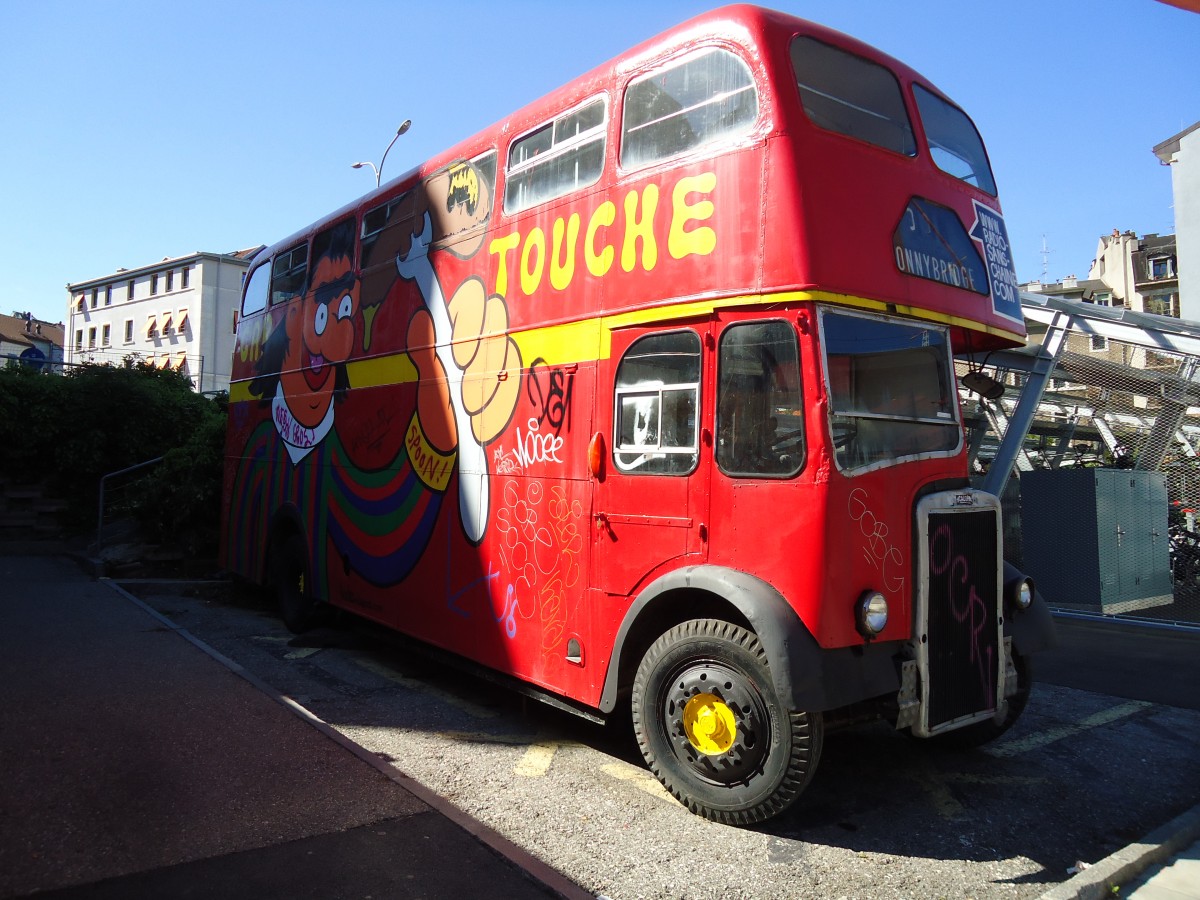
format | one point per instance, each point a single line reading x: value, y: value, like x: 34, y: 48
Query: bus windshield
x: 891, y: 389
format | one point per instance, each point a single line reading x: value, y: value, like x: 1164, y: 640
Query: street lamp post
x: 404, y: 126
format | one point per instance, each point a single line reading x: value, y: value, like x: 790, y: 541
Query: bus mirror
x: 984, y: 385
x: 596, y: 456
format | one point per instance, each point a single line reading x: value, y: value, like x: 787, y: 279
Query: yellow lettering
x: 562, y: 272
x: 501, y: 247
x: 643, y: 228
x: 700, y: 240
x: 431, y: 465
x: 599, y: 263
x: 532, y: 277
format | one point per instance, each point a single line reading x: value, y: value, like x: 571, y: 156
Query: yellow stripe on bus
x: 591, y: 339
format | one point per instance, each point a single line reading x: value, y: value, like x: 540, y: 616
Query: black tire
x: 984, y: 732
x: 290, y: 583
x: 713, y: 730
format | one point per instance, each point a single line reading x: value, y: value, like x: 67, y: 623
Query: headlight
x: 1022, y: 593
x: 871, y: 613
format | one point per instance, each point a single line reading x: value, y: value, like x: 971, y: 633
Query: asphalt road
x: 1104, y: 754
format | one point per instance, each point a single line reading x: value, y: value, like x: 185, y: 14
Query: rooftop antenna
x: 1046, y: 251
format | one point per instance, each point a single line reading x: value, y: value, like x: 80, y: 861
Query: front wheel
x: 990, y: 729
x: 712, y: 728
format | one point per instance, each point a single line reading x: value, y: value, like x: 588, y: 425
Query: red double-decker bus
x: 646, y: 394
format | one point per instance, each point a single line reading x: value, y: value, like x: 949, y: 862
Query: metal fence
x: 1103, y: 503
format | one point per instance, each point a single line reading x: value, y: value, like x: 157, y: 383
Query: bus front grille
x: 962, y: 652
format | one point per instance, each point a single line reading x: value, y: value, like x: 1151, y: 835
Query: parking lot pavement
x: 133, y: 764
x: 1081, y: 779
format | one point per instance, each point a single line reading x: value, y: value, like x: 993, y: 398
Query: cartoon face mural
x: 302, y: 368
x: 320, y: 336
x: 372, y: 490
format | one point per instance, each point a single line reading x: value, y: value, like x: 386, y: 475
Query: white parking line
x: 1043, y: 738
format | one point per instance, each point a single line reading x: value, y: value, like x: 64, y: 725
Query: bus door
x: 759, y: 503
x: 651, y: 506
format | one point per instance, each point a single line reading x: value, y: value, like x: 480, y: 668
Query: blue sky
x: 134, y: 131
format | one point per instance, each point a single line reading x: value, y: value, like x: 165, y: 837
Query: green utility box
x: 1096, y: 539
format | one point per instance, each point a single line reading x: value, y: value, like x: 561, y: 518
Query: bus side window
x: 559, y: 157
x: 708, y: 97
x: 760, y: 413
x: 657, y: 398
x: 289, y: 274
x: 255, y: 298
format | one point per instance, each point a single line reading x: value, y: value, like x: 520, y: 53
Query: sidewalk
x: 1164, y: 865
x: 137, y: 762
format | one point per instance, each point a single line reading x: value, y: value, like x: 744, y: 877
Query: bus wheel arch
x: 699, y: 592
x: 713, y: 729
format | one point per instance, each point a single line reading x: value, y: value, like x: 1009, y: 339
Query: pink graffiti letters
x: 965, y: 603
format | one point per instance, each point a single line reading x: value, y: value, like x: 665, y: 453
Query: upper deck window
x: 954, y: 143
x: 557, y: 158
x: 288, y: 274
x: 850, y: 95
x: 703, y: 99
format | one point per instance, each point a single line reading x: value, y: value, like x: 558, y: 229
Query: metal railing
x: 103, y: 480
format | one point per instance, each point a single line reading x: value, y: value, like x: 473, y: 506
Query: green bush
x: 67, y: 432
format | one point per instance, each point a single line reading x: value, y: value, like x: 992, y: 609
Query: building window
x: 95, y: 297
x: 183, y: 277
x: 165, y: 323
x: 108, y: 295
x: 1099, y: 343
x: 106, y: 335
x: 170, y: 280
x: 1162, y: 304
x: 1162, y: 267
x: 129, y: 331
x: 92, y: 338
x: 79, y: 339
x: 129, y: 289
x: 181, y: 322
x: 153, y: 284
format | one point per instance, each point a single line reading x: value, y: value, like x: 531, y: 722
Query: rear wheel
x: 712, y: 728
x: 289, y: 581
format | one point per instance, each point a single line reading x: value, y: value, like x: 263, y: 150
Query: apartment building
x: 32, y: 342
x: 1182, y: 153
x: 178, y: 313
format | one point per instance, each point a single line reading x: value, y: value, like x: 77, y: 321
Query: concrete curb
x: 1125, y: 865
x: 533, y: 867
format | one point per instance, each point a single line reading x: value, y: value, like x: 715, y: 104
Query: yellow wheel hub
x: 709, y: 724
